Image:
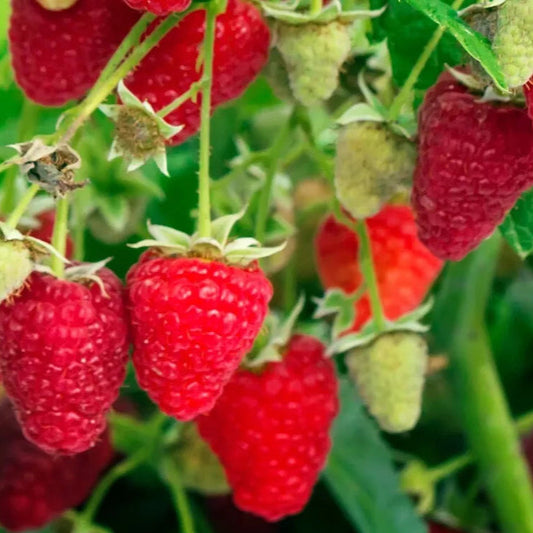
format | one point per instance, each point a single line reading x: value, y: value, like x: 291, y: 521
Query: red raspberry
x: 405, y: 269
x: 528, y: 92
x: 241, y: 51
x: 193, y: 321
x: 475, y: 159
x: 58, y: 55
x: 270, y: 429
x: 64, y: 354
x: 36, y: 487
x: 159, y: 7
x: 46, y: 229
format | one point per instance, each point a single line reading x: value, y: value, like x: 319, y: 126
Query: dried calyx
x: 140, y: 133
x: 53, y: 168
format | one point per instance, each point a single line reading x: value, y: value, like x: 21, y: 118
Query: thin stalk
x: 407, y: 88
x: 191, y: 93
x: 21, y: 207
x: 367, y: 267
x: 179, y: 497
x: 120, y: 470
x: 316, y: 7
x: 493, y: 438
x: 102, y: 90
x: 28, y: 120
x: 204, y: 201
x: 59, y: 236
x: 523, y: 425
x: 131, y: 40
x: 274, y: 157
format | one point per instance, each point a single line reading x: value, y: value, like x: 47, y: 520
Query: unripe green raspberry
x: 199, y: 467
x: 390, y: 376
x: 313, y: 55
x: 513, y: 42
x: 373, y: 164
x: 15, y: 266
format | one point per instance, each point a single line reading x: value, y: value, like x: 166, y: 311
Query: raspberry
x: 241, y: 50
x: 193, y: 321
x: 313, y: 52
x: 373, y: 164
x: 58, y: 55
x: 390, y: 375
x: 270, y: 429
x: 513, y: 41
x: 36, y: 487
x: 405, y: 269
x: 475, y: 159
x: 65, y: 347
x: 159, y: 7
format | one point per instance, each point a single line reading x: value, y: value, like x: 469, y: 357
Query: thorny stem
x: 273, y: 157
x: 28, y: 119
x: 191, y: 93
x: 367, y: 266
x: 204, y: 201
x: 59, y: 236
x: 21, y: 207
x: 179, y: 496
x: 103, y: 88
x: 405, y: 92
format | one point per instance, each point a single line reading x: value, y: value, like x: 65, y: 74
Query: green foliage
x: 361, y: 475
x: 517, y: 227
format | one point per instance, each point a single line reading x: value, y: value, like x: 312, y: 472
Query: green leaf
x: 361, y: 475
x: 517, y: 228
x: 474, y: 43
x: 407, y: 32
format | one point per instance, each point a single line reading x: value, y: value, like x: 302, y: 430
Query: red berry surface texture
x: 475, y: 160
x: 58, y: 55
x: 36, y: 487
x: 241, y: 50
x: 270, y: 429
x: 193, y: 321
x: 405, y: 268
x: 64, y: 353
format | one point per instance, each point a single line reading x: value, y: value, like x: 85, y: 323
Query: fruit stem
x: 179, y: 496
x: 523, y: 425
x: 407, y: 88
x: 131, y: 40
x: 28, y: 120
x: 487, y: 421
x: 204, y: 201
x: 102, y: 89
x: 21, y: 207
x: 273, y: 158
x: 367, y: 267
x: 59, y: 236
x: 190, y: 94
x: 316, y: 7
x: 120, y: 470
